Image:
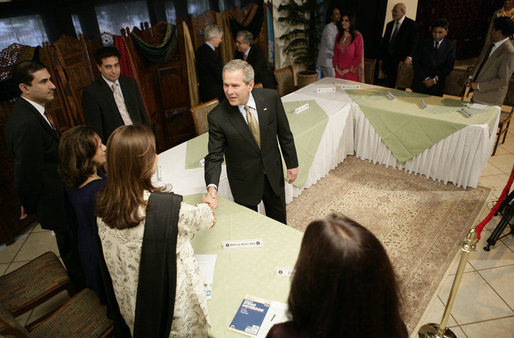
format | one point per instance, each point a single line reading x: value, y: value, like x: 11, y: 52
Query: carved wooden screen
x: 164, y: 86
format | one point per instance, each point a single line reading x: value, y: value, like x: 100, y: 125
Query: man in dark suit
x: 32, y: 139
x: 492, y: 73
x: 433, y: 60
x: 398, y: 42
x: 112, y: 100
x: 245, y: 128
x: 255, y: 57
x: 209, y: 66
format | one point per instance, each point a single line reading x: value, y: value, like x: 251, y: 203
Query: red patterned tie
x: 245, y: 57
x: 52, y: 124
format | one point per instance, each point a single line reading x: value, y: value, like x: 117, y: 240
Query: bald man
x: 398, y: 42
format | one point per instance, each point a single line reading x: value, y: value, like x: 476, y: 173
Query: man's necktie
x: 52, y: 124
x: 253, y: 125
x: 120, y: 103
x: 486, y: 57
x: 245, y: 57
x: 395, y: 30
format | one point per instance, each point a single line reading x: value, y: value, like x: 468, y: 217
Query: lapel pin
x: 265, y: 109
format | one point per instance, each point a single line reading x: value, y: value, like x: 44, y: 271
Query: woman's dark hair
x: 130, y: 158
x: 344, y: 284
x: 340, y: 28
x: 77, y: 147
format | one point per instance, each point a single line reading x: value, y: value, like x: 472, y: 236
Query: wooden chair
x: 34, y: 283
x: 369, y: 70
x: 404, y: 76
x: 82, y: 315
x: 258, y: 85
x: 455, y: 83
x: 285, y: 80
x: 505, y: 115
x: 200, y: 113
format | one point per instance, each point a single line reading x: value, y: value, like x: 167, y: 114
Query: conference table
x: 335, y: 124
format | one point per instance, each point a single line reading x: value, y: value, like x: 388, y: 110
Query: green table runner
x: 241, y: 272
x: 307, y: 128
x: 406, y: 128
x: 196, y: 151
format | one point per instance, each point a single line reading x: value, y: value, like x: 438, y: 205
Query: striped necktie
x: 254, y: 126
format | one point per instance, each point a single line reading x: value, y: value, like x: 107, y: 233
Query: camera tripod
x: 507, y: 211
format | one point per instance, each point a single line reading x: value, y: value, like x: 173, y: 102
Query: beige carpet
x: 419, y: 221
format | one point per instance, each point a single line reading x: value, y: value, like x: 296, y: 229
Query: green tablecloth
x: 406, y: 128
x: 307, y: 128
x: 241, y: 272
x: 196, y: 150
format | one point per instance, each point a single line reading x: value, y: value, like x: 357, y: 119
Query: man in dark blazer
x: 209, y: 66
x: 493, y: 70
x: 433, y: 60
x: 255, y: 57
x: 398, y: 42
x: 32, y: 140
x: 112, y: 100
x: 245, y: 128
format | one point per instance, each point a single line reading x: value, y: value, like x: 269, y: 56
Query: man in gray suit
x: 495, y: 65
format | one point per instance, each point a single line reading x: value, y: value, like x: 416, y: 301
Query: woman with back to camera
x: 348, y: 51
x: 145, y: 240
x: 343, y: 285
x: 82, y: 157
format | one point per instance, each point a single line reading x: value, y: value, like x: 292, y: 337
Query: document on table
x: 206, y: 263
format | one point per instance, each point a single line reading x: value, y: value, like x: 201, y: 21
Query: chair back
x: 369, y: 70
x: 455, y: 82
x: 404, y: 76
x: 285, y: 80
x: 509, y: 98
x: 200, y: 113
x: 9, y: 326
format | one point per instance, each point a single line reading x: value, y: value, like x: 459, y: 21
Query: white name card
x: 283, y: 271
x: 464, y: 111
x: 349, y: 86
x: 423, y: 104
x: 326, y: 90
x: 243, y: 243
x: 390, y: 96
x: 301, y: 108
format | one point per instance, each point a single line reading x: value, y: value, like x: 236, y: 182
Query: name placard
x: 326, y: 90
x: 242, y: 243
x: 283, y: 271
x: 349, y: 86
x: 465, y: 111
x: 390, y: 96
x: 301, y: 108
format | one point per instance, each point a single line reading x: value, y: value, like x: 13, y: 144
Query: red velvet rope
x: 506, y: 189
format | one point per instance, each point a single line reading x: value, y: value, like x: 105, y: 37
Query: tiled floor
x: 485, y: 301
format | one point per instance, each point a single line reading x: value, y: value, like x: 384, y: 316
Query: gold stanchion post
x: 432, y: 330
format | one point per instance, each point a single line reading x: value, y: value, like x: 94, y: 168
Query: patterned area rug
x: 419, y: 221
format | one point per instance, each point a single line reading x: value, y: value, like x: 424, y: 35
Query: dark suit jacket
x: 33, y: 146
x: 229, y: 135
x: 428, y: 63
x: 258, y: 61
x: 495, y: 75
x: 101, y: 112
x: 403, y: 44
x: 209, y: 71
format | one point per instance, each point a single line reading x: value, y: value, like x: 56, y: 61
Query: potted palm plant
x: 304, y: 36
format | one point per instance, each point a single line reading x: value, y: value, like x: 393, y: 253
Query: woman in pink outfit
x: 348, y: 51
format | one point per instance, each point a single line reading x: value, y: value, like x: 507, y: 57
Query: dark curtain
x: 369, y: 18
